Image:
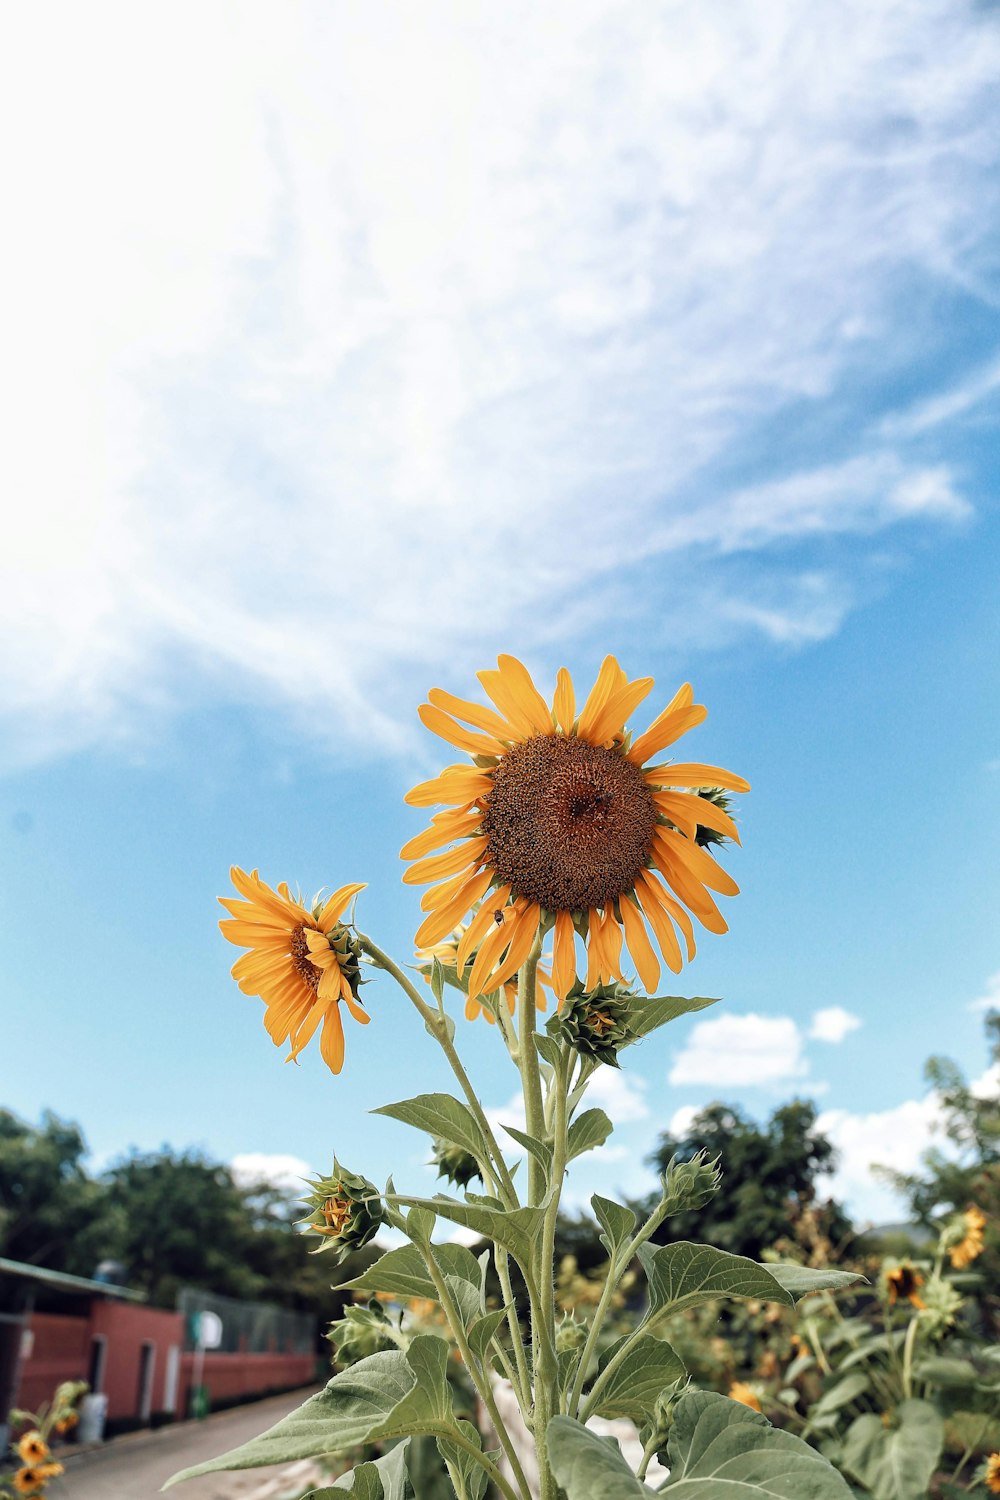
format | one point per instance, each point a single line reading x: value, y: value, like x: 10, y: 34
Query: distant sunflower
x: 301, y: 963
x: 973, y: 1242
x: 745, y: 1395
x: 32, y: 1449
x: 903, y: 1284
x: 991, y: 1474
x: 560, y: 818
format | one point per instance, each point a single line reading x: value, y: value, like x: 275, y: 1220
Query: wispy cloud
x: 833, y: 1023
x: 741, y: 1051
x: 990, y: 998
x: 299, y: 368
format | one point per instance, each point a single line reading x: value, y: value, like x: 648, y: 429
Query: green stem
x: 547, y: 1384
x: 908, y: 1347
x: 456, y: 1436
x: 647, y: 1454
x: 478, y: 1375
x: 436, y: 1024
x: 531, y: 1078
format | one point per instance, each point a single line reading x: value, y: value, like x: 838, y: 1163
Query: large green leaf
x: 657, y: 1010
x: 403, y: 1272
x: 683, y: 1274
x: 385, y: 1396
x: 647, y: 1369
x: 590, y: 1129
x: 897, y: 1462
x: 846, y: 1390
x: 442, y: 1116
x: 383, y: 1479
x: 718, y: 1450
x: 799, y: 1281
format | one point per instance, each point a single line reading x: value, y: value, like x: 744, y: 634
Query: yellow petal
x: 646, y: 962
x: 563, y: 955
x: 445, y: 828
x: 338, y: 903
x: 693, y: 773
x: 620, y: 706
x: 465, y: 855
x: 564, y: 702
x: 441, y: 922
x: 472, y: 713
x: 481, y: 923
x: 456, y: 785
x: 441, y: 724
x: 607, y: 681
x: 331, y: 1042
x: 520, y: 946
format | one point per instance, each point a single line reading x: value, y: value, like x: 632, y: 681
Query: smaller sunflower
x: 51, y: 1470
x: 903, y: 1284
x: 302, y: 963
x: 991, y: 1474
x: 32, y: 1448
x: 971, y: 1245
x: 28, y: 1480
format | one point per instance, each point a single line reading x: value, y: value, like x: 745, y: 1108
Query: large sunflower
x: 301, y: 963
x: 561, y: 820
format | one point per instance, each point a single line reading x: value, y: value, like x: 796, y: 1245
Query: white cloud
x: 990, y: 998
x: 833, y: 1024
x: 402, y: 285
x: 736, y: 1051
x: 274, y: 1168
x: 621, y: 1095
x: 896, y: 1138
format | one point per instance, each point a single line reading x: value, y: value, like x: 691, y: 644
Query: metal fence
x: 247, y: 1327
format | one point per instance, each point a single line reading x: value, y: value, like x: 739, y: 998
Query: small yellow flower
x: 991, y: 1474
x: 67, y: 1422
x: 970, y: 1247
x: 32, y: 1448
x: 904, y: 1283
x: 745, y: 1395
x: 50, y: 1471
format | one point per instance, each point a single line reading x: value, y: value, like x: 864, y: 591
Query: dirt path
x: 136, y: 1467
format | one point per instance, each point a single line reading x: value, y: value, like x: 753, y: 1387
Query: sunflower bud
x: 454, y: 1164
x: 597, y: 1023
x: 718, y: 798
x: 346, y: 1211
x: 689, y: 1184
x: 571, y: 1334
x: 360, y: 1332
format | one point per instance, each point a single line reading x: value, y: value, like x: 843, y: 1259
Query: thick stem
x: 547, y: 1384
x: 528, y: 1061
x: 435, y: 1023
x: 908, y: 1348
x: 478, y: 1375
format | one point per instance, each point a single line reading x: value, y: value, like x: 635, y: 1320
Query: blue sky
x: 417, y: 335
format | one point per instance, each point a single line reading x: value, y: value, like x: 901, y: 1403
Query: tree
x: 768, y: 1182
x: 51, y: 1213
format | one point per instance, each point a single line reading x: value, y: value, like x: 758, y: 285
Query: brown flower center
x: 569, y: 824
x: 301, y: 962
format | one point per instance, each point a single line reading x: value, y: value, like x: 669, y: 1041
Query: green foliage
x: 895, y: 1461
x: 716, y: 1448
x: 684, y: 1274
x: 385, y: 1478
x: 444, y: 1119
x: 769, y: 1175
x: 51, y: 1213
x: 648, y: 1366
x: 404, y: 1273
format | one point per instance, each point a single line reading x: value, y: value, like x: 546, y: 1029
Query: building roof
x: 62, y: 1282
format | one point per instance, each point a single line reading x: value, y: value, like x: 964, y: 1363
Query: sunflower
x: 301, y: 963
x: 972, y: 1243
x: 991, y: 1474
x: 32, y: 1448
x: 745, y: 1395
x: 28, y: 1481
x: 559, y: 817
x: 903, y: 1284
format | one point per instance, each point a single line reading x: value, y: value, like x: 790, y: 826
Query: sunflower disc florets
x: 346, y: 1211
x: 597, y: 1023
x: 454, y: 1164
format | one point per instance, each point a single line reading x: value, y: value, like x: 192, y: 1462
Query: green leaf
x: 895, y: 1463
x: 589, y: 1467
x: 383, y: 1479
x: 722, y: 1449
x: 657, y: 1010
x: 468, y: 1297
x: 484, y: 1330
x: 547, y: 1048
x: 403, y: 1272
x: 590, y: 1129
x: 947, y: 1371
x: 647, y: 1369
x: 389, y: 1395
x: 684, y: 1274
x: 801, y: 1280
x: 617, y: 1222
x: 718, y: 1450
x: 440, y: 1115
x: 420, y: 1226
x: 472, y: 1475
x: 437, y: 979
x: 518, y: 1230
x: 840, y: 1395
x: 540, y: 1150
